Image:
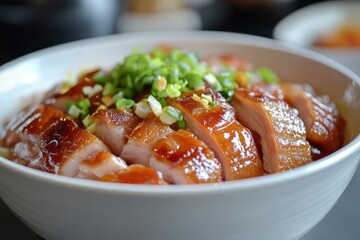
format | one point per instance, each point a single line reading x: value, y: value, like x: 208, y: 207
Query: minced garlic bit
x: 107, y: 101
x: 210, y: 79
x: 205, y: 99
x: 241, y: 79
x: 161, y: 84
x: 101, y: 107
x: 90, y: 91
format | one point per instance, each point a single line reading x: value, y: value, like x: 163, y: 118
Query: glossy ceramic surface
x: 305, y: 25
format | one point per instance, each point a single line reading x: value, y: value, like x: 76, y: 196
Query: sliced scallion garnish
x: 124, y: 103
x: 267, y: 75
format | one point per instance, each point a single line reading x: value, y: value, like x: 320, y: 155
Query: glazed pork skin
x: 323, y: 123
x: 77, y: 153
x: 135, y: 174
x: 184, y: 159
x: 142, y: 138
x: 232, y: 143
x: 282, y: 132
x: 107, y: 167
x: 112, y: 127
x: 30, y: 124
x: 59, y: 100
x: 178, y: 155
x: 64, y: 146
x: 43, y: 138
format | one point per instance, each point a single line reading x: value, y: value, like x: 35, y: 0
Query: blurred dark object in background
x: 29, y: 25
x: 257, y: 17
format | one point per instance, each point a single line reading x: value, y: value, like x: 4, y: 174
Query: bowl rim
x: 313, y: 9
x: 245, y: 184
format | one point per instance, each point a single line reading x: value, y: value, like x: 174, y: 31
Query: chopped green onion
x: 90, y: 91
x: 163, y: 102
x: 173, y: 90
x: 251, y: 77
x: 101, y: 78
x: 118, y: 95
x: 163, y: 74
x: 212, y: 104
x: 86, y: 121
x: 128, y: 93
x: 124, y: 103
x: 74, y: 111
x: 212, y: 81
x: 84, y: 104
x: 226, y: 80
x: 173, y: 112
x: 142, y: 108
x: 80, y: 109
x: 166, y: 119
x: 109, y: 89
x: 268, y: 75
x: 182, y: 124
x: 195, y: 81
x: 87, y: 90
x: 91, y: 128
x: 155, y: 105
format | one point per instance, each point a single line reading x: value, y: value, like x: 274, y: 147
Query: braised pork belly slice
x: 58, y: 99
x: 109, y: 168
x: 30, y: 124
x: 99, y: 165
x: 142, y: 138
x: 112, y: 127
x: 282, y: 132
x: 182, y: 158
x: 43, y: 138
x: 135, y: 174
x: 64, y: 145
x: 178, y: 155
x: 232, y: 143
x: 47, y: 140
x: 323, y: 124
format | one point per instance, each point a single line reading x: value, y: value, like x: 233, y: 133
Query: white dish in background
x: 305, y: 25
x: 279, y: 206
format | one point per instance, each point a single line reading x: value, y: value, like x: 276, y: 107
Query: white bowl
x: 278, y: 206
x: 304, y: 26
